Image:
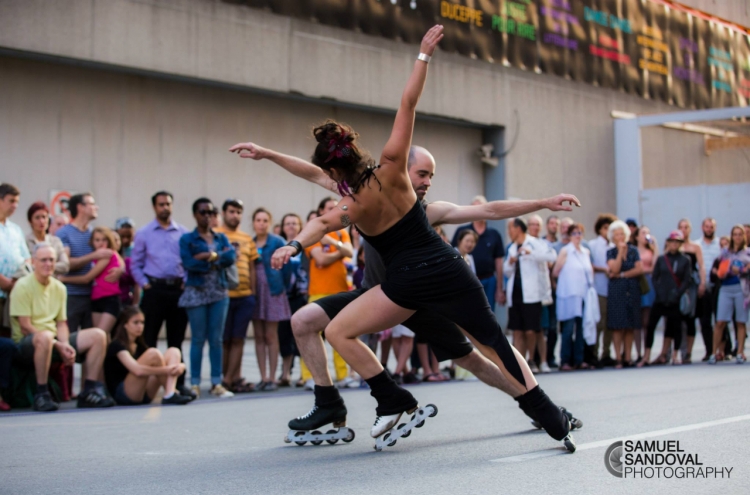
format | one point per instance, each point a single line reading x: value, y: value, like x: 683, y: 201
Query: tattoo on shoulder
x: 345, y: 220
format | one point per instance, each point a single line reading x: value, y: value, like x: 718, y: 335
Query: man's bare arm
x: 442, y: 212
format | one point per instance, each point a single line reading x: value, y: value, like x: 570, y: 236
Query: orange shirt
x: 332, y: 278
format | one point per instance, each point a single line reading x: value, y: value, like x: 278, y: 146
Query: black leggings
x: 673, y: 329
x: 452, y: 291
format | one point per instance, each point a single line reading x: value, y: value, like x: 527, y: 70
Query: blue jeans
x: 567, y: 345
x: 207, y: 323
x: 490, y: 288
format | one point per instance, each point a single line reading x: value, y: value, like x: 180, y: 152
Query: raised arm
x: 396, y: 150
x: 442, y: 212
x: 295, y: 166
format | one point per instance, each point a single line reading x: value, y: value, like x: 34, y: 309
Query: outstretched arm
x: 295, y: 166
x: 396, y: 150
x: 442, y: 212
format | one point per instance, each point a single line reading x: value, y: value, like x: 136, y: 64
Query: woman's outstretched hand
x: 249, y: 150
x: 281, y: 257
x: 558, y: 203
x: 431, y: 39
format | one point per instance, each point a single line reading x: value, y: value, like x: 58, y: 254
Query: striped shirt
x: 78, y: 242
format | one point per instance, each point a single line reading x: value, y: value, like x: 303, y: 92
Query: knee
x: 43, y: 340
x: 99, y: 336
x: 153, y: 356
x: 303, y: 322
x: 333, y: 334
x: 173, y: 352
x: 470, y: 361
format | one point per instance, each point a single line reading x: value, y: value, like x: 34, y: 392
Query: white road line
x: 610, y: 441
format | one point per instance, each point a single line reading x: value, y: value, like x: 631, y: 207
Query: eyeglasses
x: 576, y: 234
x: 212, y: 213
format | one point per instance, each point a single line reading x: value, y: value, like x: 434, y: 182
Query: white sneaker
x: 310, y: 384
x: 545, y: 368
x: 533, y: 367
x: 220, y: 392
x: 348, y: 382
x: 383, y: 424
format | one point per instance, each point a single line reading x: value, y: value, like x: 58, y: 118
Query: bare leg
x: 541, y: 346
x: 385, y: 351
x: 628, y: 338
x: 617, y: 340
x: 741, y: 334
x: 136, y: 386
x: 286, y: 368
x: 106, y: 322
x: 515, y: 386
x: 519, y: 342
x: 93, y: 343
x: 718, y: 337
x: 43, y: 344
x: 407, y: 345
x: 307, y: 325
x: 396, y: 343
x: 272, y: 340
x: 530, y: 343
x: 260, y: 347
x: 487, y: 372
x: 371, y: 312
x: 425, y: 357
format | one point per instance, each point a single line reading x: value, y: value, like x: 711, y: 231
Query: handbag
x: 689, y: 297
x: 643, y: 282
x: 233, y: 276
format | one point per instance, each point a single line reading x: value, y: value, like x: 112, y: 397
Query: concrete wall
x: 565, y: 139
x: 123, y: 137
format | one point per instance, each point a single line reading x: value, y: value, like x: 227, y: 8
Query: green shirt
x: 44, y: 304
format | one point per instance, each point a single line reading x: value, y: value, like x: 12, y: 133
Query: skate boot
x: 575, y: 423
x: 555, y: 420
x: 394, y: 402
x: 385, y: 433
x: 329, y: 408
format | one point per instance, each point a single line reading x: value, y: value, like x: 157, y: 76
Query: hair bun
x: 331, y: 129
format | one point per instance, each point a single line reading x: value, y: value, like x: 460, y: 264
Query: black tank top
x: 411, y: 243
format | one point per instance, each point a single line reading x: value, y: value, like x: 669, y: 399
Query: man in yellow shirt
x: 241, y: 298
x: 40, y: 329
x: 328, y: 276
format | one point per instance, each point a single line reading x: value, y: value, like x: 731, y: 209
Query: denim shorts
x: 123, y: 400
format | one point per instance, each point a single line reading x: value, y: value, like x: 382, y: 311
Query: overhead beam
x: 728, y: 143
x: 693, y: 116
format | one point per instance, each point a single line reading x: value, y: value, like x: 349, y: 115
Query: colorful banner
x: 652, y: 48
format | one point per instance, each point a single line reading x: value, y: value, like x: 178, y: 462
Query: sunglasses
x: 212, y: 213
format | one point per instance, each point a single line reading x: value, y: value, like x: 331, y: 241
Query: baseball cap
x: 676, y: 235
x: 631, y: 222
x: 124, y: 222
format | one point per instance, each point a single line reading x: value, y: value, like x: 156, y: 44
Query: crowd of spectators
x: 71, y: 292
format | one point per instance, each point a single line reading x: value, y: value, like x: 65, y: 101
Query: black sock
x: 391, y: 398
x: 537, y: 405
x: 42, y: 388
x: 327, y: 396
x: 89, y: 385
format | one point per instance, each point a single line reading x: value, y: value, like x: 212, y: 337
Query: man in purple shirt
x: 157, y: 268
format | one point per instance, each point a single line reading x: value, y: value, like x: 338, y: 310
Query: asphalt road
x: 480, y: 442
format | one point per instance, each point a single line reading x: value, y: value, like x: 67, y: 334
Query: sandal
x: 242, y: 387
x: 433, y: 377
x: 618, y: 365
x: 584, y: 366
x: 642, y: 364
x: 285, y: 382
x: 687, y: 359
x: 566, y: 367
x: 662, y: 359
x: 300, y: 383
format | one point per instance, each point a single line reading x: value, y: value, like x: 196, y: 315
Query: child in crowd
x: 134, y: 372
x: 105, y: 296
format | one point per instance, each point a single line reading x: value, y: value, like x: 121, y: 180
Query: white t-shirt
x: 599, y: 248
x: 711, y: 251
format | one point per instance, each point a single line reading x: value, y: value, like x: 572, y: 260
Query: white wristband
x: 424, y: 58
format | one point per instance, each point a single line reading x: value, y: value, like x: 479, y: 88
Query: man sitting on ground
x: 40, y: 329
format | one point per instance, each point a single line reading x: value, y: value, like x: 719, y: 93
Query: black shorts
x: 442, y: 335
x: 109, y: 304
x: 525, y: 317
